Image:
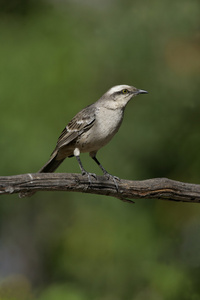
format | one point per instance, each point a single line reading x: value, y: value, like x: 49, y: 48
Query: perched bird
x: 92, y: 128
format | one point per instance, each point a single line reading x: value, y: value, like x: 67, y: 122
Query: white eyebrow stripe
x: 118, y: 88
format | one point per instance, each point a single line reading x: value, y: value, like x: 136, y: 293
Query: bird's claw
x: 114, y: 178
x: 89, y: 175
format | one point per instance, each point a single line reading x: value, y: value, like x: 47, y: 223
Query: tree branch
x: 157, y: 188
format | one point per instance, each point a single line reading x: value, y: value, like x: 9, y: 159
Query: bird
x: 91, y: 129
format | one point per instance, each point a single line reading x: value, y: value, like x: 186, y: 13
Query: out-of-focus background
x: 56, y: 57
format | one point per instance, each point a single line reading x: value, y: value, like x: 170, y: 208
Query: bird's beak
x: 141, y: 92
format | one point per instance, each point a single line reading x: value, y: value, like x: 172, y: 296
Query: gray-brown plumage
x: 92, y: 128
x: 70, y: 138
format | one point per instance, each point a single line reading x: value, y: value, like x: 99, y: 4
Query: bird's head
x: 119, y: 95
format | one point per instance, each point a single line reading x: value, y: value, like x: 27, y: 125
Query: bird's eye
x: 125, y: 91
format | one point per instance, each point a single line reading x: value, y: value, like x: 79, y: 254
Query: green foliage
x: 55, y: 59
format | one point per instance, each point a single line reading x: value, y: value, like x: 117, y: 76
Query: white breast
x: 106, y: 125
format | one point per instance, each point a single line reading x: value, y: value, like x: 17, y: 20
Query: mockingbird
x: 92, y: 128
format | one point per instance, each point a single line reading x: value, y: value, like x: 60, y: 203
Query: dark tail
x: 49, y: 167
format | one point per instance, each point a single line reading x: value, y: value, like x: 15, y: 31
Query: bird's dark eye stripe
x: 121, y: 92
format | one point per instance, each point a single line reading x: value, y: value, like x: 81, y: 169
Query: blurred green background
x: 56, y: 57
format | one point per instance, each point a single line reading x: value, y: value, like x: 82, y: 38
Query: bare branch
x: 157, y: 188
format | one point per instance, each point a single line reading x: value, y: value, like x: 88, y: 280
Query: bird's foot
x: 89, y: 175
x: 114, y: 178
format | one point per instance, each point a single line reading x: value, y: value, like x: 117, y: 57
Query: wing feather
x: 82, y: 122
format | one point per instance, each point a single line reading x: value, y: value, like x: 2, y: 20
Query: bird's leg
x: 83, y: 171
x: 108, y: 175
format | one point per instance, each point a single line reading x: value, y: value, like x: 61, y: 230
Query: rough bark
x: 157, y: 188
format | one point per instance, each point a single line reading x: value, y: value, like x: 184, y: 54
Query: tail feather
x: 49, y: 167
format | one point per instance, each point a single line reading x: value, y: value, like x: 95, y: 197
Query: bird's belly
x: 101, y: 133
